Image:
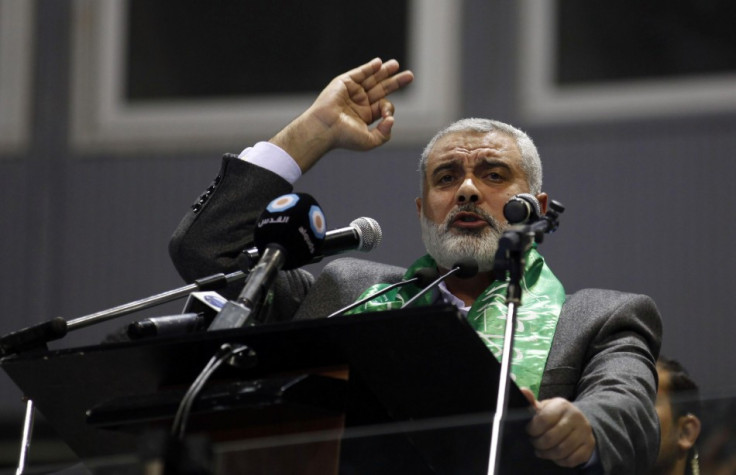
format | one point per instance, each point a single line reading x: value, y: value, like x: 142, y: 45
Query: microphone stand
x: 510, y: 260
x: 36, y: 336
x: 212, y: 282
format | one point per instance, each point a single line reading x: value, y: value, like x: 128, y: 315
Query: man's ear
x: 688, y: 431
x: 542, y: 198
x: 418, y: 201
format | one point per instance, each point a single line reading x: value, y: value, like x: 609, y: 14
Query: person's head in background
x: 678, y: 407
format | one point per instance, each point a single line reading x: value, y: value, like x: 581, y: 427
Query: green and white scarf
x: 542, y: 297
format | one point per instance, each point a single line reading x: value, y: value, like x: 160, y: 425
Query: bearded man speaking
x: 586, y: 361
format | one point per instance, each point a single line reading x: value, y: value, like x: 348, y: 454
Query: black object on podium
x: 407, y: 391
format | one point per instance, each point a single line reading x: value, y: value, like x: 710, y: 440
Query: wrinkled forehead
x: 456, y: 145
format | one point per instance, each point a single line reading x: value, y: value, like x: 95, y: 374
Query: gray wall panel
x: 649, y: 205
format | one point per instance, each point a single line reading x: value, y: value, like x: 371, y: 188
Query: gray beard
x: 447, y: 247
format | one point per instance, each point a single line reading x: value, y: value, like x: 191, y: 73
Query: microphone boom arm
x: 39, y: 334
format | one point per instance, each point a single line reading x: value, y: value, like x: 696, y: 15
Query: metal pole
x: 141, y: 304
x: 503, y: 390
x: 25, y: 443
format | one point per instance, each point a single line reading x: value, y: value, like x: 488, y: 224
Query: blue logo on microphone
x: 283, y: 203
x: 317, y: 222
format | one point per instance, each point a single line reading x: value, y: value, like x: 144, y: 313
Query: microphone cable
x: 464, y: 268
x: 422, y: 277
x: 224, y: 353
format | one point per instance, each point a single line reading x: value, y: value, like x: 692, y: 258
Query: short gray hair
x: 530, y: 161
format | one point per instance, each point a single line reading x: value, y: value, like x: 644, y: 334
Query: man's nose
x: 468, y: 192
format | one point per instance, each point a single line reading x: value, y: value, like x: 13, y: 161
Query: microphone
x: 288, y: 234
x: 199, y: 310
x: 464, y: 268
x: 168, y: 325
x: 363, y: 234
x: 522, y: 208
x: 422, y: 278
x: 33, y: 337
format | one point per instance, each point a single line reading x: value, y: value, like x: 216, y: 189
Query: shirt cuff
x: 273, y: 158
x: 593, y: 465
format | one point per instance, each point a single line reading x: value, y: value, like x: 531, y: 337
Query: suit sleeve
x: 617, y: 388
x: 219, y: 225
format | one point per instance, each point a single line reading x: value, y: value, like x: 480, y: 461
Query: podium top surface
x: 419, y: 363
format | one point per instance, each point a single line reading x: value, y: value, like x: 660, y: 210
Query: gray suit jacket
x: 603, y: 353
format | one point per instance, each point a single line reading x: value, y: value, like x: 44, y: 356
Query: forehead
x: 470, y: 144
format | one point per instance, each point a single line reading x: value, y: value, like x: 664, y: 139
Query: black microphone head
x: 369, y: 232
x: 466, y: 267
x: 522, y: 208
x: 296, y: 223
x: 425, y: 276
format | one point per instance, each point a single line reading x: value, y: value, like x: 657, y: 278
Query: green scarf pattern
x: 536, y: 318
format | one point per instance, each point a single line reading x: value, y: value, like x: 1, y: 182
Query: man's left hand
x: 560, y: 432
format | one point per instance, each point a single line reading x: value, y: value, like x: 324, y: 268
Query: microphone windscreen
x: 426, y: 275
x: 467, y: 267
x: 522, y: 208
x: 296, y: 223
x: 370, y: 233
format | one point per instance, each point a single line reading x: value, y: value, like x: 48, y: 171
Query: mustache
x: 471, y: 208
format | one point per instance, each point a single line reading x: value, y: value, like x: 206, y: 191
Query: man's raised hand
x: 343, y: 113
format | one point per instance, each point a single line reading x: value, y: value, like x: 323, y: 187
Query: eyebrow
x: 493, y: 163
x: 483, y: 163
x: 449, y: 165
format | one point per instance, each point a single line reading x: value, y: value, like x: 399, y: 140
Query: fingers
x: 345, y: 110
x: 529, y: 395
x: 382, y: 132
x: 569, y: 453
x: 382, y: 109
x: 560, y: 432
x: 386, y: 86
x: 558, y: 443
x: 384, y: 71
x: 380, y: 79
x: 549, y: 413
x: 360, y: 74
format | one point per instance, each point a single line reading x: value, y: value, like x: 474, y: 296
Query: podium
x: 406, y: 391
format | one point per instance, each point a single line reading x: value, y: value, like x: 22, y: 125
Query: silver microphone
x: 363, y: 234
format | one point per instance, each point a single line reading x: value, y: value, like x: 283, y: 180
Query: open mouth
x: 468, y: 220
